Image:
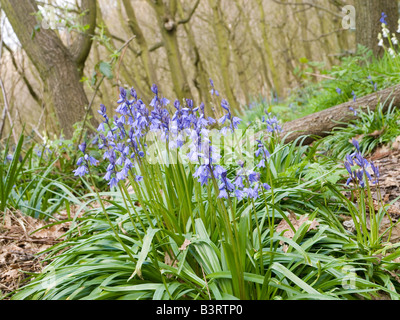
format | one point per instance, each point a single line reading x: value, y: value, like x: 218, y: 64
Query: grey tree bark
x: 368, y: 26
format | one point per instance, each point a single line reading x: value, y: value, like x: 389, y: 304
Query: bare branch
x: 191, y: 13
x: 314, y: 5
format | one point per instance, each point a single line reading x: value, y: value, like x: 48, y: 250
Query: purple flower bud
x: 266, y: 186
x: 225, y: 105
x: 356, y: 144
x: 82, y: 147
x: 154, y: 89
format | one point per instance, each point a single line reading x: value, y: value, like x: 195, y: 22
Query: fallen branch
x: 320, y: 124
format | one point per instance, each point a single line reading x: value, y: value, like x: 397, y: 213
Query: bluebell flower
x: 239, y: 182
x: 252, y: 192
x: 254, y: 177
x: 82, y: 147
x: 383, y: 18
x: 122, y: 95
x: 239, y: 194
x: 272, y: 123
x: 357, y: 176
x: 356, y: 144
x: 376, y: 172
x: 213, y: 91
x: 101, y: 127
x: 339, y: 91
x: 84, y: 162
x: 81, y: 171
x: 223, y: 194
x: 354, y: 111
x: 266, y: 186
x: 154, y: 89
x: 354, y: 95
x: 113, y: 182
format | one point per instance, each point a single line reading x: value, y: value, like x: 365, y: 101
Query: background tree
x: 60, y: 68
x: 251, y: 49
x: 368, y: 26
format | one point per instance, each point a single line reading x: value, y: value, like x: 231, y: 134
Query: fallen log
x: 320, y: 124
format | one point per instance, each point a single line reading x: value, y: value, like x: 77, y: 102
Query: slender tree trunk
x: 368, y: 14
x: 271, y: 63
x: 57, y: 66
x: 239, y: 64
x: 201, y: 80
x: 168, y: 28
x: 223, y: 51
x: 141, y: 41
x: 255, y: 44
x: 303, y: 21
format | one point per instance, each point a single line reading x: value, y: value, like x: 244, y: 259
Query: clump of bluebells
x: 273, y: 125
x: 366, y: 218
x: 123, y: 140
x: 357, y: 176
x: 84, y: 162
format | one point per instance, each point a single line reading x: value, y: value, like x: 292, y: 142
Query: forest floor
x: 20, y: 245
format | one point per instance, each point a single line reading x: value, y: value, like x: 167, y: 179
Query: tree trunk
x: 271, y: 63
x: 168, y: 28
x: 368, y: 26
x: 141, y: 40
x: 223, y: 52
x: 57, y: 66
x: 249, y: 33
x: 200, y: 80
x: 321, y: 123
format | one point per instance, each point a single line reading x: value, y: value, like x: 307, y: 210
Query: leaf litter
x: 22, y: 239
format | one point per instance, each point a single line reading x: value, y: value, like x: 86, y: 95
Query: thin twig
x: 34, y: 240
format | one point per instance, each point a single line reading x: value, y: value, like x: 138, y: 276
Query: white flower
x: 392, y: 53
x: 394, y: 40
x: 380, y: 40
x: 385, y: 31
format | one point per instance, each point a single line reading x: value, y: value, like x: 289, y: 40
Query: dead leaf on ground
x: 396, y: 143
x: 19, y: 248
x: 297, y: 223
x: 377, y: 133
x: 380, y: 153
x: 357, y: 137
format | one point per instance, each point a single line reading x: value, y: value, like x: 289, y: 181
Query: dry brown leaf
x: 168, y: 260
x: 389, y: 182
x: 185, y: 244
x: 380, y: 153
x: 377, y: 133
x: 396, y: 143
x: 357, y: 137
x: 289, y: 233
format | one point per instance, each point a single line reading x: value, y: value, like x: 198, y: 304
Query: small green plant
x: 11, y: 169
x: 372, y: 129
